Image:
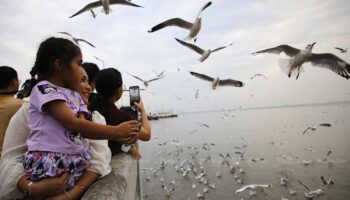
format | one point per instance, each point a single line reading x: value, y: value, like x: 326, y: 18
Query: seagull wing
x: 88, y: 7
x: 172, y: 22
x: 242, y: 189
x: 155, y: 79
x: 86, y: 42
x: 191, y: 46
x: 325, y: 125
x: 231, y: 82
x: 136, y: 77
x: 123, y: 2
x: 204, y: 7
x: 202, y: 76
x: 217, y: 49
x: 332, y: 62
x: 308, y: 128
x: 340, y: 49
x: 65, y: 33
x: 288, y: 50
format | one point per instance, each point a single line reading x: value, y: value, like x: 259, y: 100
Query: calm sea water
x: 268, y: 134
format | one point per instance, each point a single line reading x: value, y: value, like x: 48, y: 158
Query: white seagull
x: 76, y: 40
x: 255, y: 75
x: 341, y: 49
x: 205, y: 53
x: 194, y: 27
x: 313, y: 128
x: 217, y: 82
x: 252, y: 187
x: 299, y: 57
x: 146, y: 82
x: 105, y: 4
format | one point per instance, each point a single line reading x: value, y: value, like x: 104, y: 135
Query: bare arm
x: 145, y: 132
x: 87, y: 129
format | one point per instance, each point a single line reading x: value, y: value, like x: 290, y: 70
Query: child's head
x: 109, y: 84
x: 60, y: 59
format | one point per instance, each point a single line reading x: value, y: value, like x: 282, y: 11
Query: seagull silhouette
x: 341, y: 49
x: 217, y: 82
x: 146, y: 82
x: 299, y: 57
x: 76, y: 40
x: 194, y: 27
x: 105, y: 4
x: 205, y: 53
x: 313, y: 128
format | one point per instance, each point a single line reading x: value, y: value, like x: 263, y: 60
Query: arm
x: 87, y: 129
x: 145, y: 132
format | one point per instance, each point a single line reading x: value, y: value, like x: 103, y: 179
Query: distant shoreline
x: 270, y: 107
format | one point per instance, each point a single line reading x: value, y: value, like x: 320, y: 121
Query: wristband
x: 29, y: 188
x: 66, y: 193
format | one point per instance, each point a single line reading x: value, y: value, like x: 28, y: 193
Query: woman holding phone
x: 109, y: 90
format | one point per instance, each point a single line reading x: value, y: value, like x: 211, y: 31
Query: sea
x: 213, y: 154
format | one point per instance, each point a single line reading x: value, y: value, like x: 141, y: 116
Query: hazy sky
x: 122, y: 41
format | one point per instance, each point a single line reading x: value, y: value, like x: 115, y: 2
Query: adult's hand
x: 128, y: 140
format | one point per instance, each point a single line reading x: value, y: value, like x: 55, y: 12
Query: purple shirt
x: 46, y: 133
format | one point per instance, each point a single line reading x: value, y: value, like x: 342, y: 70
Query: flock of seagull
x: 196, y: 167
x: 291, y: 67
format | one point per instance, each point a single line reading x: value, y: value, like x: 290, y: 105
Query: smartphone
x: 134, y: 92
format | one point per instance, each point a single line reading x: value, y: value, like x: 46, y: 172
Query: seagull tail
x: 187, y: 38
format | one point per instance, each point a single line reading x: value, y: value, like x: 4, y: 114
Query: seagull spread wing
x: 288, y: 50
x: 202, y: 76
x: 123, y: 2
x: 332, y: 62
x: 136, y: 77
x: 155, y: 79
x: 339, y: 48
x: 88, y: 7
x: 86, y: 42
x: 191, y: 46
x: 231, y: 82
x: 172, y: 22
x: 217, y: 49
x: 204, y: 7
x: 65, y: 33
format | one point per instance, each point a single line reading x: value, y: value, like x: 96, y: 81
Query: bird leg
x: 298, y: 73
x: 290, y: 72
x: 195, y: 39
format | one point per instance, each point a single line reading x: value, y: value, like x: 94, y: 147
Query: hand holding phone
x: 134, y: 92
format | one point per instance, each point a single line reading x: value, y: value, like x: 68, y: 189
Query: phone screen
x: 134, y: 94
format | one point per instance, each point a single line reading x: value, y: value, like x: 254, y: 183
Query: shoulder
x: 45, y: 87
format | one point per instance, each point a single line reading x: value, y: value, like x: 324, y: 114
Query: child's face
x: 73, y: 74
x: 84, y: 87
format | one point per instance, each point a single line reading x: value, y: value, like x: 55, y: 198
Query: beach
x: 273, y: 134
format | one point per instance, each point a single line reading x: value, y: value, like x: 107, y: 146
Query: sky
x: 122, y: 41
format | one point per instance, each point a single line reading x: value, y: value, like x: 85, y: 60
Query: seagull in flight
x: 105, y: 4
x: 159, y: 74
x: 313, y: 128
x: 217, y: 81
x: 299, y: 57
x: 146, y: 82
x: 252, y: 187
x: 255, y: 75
x: 205, y: 53
x: 194, y: 27
x: 76, y: 40
x: 103, y: 62
x: 341, y: 49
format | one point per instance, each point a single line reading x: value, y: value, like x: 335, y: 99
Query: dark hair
x: 107, y: 82
x: 91, y: 70
x: 7, y: 74
x: 50, y: 50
